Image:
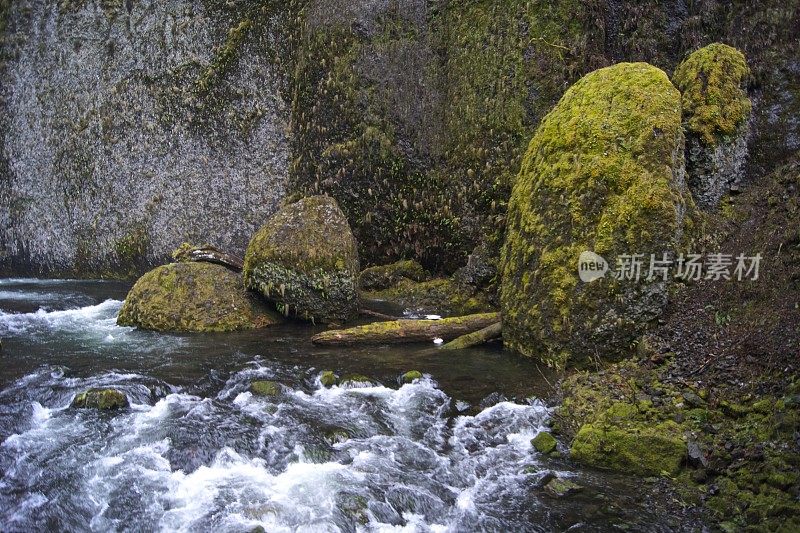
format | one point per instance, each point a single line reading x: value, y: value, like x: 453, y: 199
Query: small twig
x: 545, y: 377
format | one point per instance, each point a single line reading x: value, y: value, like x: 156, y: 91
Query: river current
x: 196, y: 451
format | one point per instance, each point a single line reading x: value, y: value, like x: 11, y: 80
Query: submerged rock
x: 104, y: 399
x: 716, y: 112
x: 385, y: 276
x: 621, y: 439
x: 304, y: 259
x: 356, y: 381
x: 193, y: 297
x: 604, y: 173
x: 558, y: 487
x: 544, y: 442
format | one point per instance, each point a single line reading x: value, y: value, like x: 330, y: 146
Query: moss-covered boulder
x: 622, y: 439
x: 544, y: 442
x: 263, y: 387
x: 411, y: 376
x: 716, y: 113
x: 304, y: 259
x: 328, y: 378
x: 104, y: 399
x: 193, y: 297
x: 604, y: 173
x: 385, y: 276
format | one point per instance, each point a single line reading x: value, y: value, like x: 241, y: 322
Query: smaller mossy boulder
x: 716, y: 115
x: 544, y: 442
x: 410, y: 376
x: 201, y: 297
x: 604, y: 173
x: 104, y: 399
x: 385, y: 276
x: 305, y: 261
x: 624, y: 439
x: 328, y: 378
x: 264, y: 387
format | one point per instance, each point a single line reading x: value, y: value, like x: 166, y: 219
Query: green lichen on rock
x: 304, y: 259
x: 713, y: 83
x: 410, y: 376
x: 604, y: 173
x: 193, y: 297
x: 716, y: 115
x: 620, y: 439
x: 103, y: 399
x: 265, y: 388
x: 544, y: 442
x: 386, y: 276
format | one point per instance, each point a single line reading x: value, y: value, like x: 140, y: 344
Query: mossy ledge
x: 193, y: 297
x: 604, y: 172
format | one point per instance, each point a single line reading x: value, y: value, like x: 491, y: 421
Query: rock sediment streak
x: 304, y: 260
x: 604, y: 173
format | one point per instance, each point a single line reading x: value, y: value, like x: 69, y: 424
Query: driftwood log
x: 406, y: 331
x: 210, y: 254
x: 476, y: 338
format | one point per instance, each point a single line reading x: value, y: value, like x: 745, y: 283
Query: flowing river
x: 197, y: 452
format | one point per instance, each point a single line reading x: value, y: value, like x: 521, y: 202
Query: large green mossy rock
x: 603, y: 173
x: 193, y: 297
x: 304, y: 259
x: 620, y: 440
x: 103, y: 399
x: 716, y: 114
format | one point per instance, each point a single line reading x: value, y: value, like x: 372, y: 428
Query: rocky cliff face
x: 120, y: 139
x: 130, y: 127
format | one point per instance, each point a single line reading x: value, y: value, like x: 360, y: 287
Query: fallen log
x: 403, y: 331
x: 476, y: 338
x: 208, y: 254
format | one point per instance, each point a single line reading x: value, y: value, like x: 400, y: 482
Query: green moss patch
x: 713, y: 82
x: 622, y: 440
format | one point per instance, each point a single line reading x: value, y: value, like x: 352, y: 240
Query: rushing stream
x: 196, y: 451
